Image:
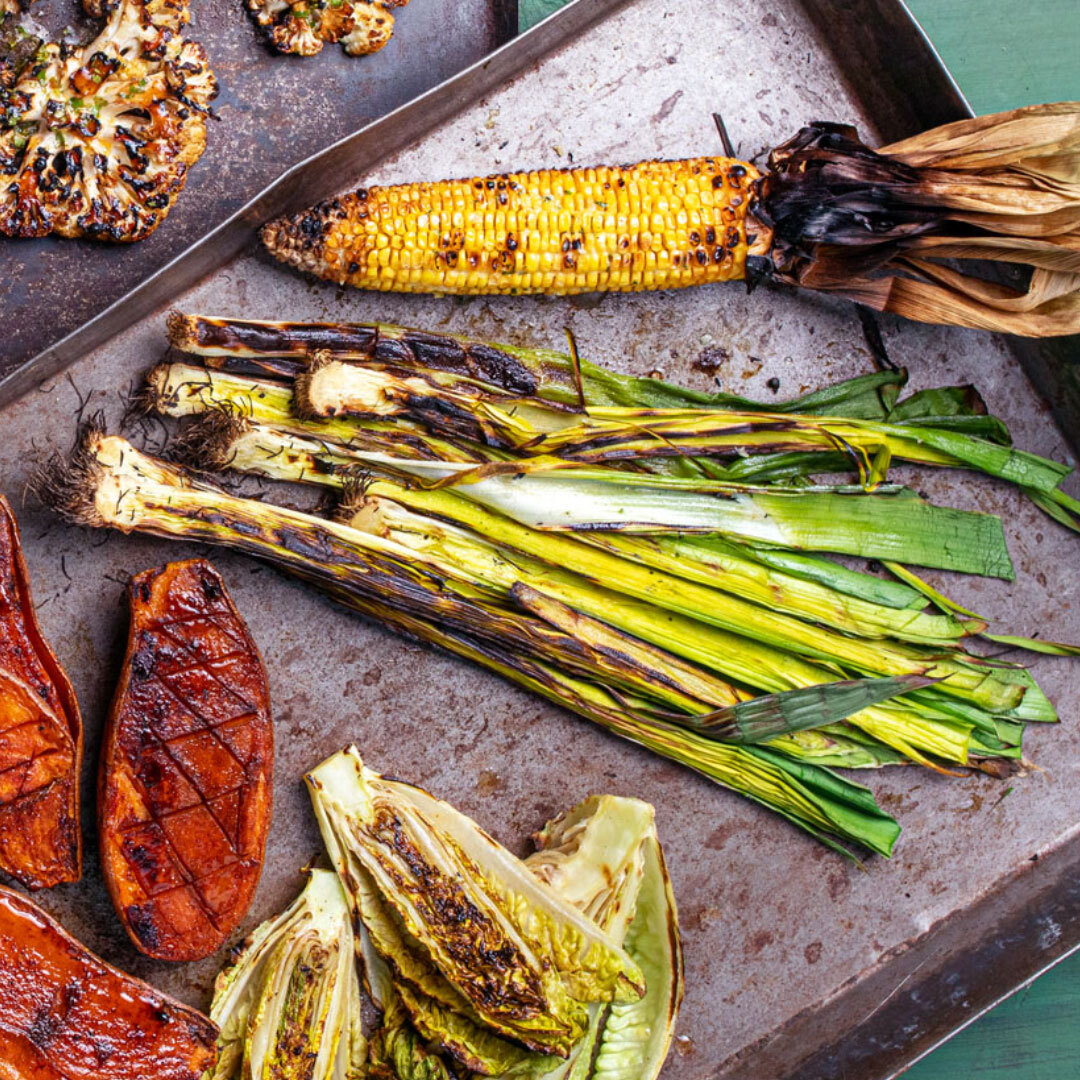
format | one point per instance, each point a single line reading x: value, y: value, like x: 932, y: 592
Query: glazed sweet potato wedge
x: 40, y: 736
x: 65, y: 1013
x: 186, y: 780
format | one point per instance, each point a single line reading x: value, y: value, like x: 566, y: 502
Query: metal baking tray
x: 274, y: 111
x: 799, y: 964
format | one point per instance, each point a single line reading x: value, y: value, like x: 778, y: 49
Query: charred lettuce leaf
x: 527, y: 962
x: 635, y: 1036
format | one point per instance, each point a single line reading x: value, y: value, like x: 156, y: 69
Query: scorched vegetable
x: 64, y: 1012
x: 97, y: 140
x: 304, y: 26
x: 186, y: 783
x: 653, y: 590
x: 526, y: 963
x: 41, y: 736
x: 289, y: 1004
x: 506, y: 967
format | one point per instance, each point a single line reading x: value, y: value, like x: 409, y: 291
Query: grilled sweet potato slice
x: 64, y: 1013
x: 186, y: 780
x: 40, y: 736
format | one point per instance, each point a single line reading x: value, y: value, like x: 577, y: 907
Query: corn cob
x: 827, y: 213
x: 657, y: 225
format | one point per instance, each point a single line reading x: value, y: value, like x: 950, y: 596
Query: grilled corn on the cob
x: 660, y: 224
x: 827, y: 213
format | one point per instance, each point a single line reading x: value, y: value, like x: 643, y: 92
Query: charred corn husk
x: 826, y: 213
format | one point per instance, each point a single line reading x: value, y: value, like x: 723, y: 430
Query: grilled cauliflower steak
x: 97, y: 140
x: 304, y: 26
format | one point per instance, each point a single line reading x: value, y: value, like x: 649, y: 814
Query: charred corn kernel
x: 660, y: 224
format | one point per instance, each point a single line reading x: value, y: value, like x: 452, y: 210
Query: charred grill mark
x: 447, y: 418
x: 412, y: 348
x: 400, y: 348
x: 663, y: 444
x: 291, y: 339
x: 140, y: 918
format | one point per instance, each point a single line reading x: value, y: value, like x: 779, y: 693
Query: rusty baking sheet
x: 799, y: 965
x: 274, y: 111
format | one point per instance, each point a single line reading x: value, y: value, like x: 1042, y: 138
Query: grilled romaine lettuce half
x: 405, y: 984
x: 527, y: 963
x: 289, y: 1006
x: 605, y: 857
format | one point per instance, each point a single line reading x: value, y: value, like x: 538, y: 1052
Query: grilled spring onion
x: 220, y: 441
x: 826, y: 213
x: 892, y: 523
x: 319, y: 470
x: 182, y: 390
x: 449, y: 554
x: 109, y: 483
x: 289, y: 1003
x: 382, y: 509
x: 283, y: 350
x: 597, y: 434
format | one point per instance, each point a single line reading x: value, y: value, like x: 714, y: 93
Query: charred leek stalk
x: 225, y: 442
x: 944, y: 426
x: 109, y: 483
x: 459, y: 408
x: 890, y: 524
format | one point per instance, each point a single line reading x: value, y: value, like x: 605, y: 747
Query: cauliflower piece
x: 304, y: 26
x: 97, y: 140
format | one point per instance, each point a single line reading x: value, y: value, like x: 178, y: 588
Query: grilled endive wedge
x: 527, y: 962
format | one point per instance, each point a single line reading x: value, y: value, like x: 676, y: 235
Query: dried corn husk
x: 874, y: 226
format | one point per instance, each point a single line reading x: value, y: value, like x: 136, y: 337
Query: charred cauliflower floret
x: 304, y: 26
x: 97, y: 140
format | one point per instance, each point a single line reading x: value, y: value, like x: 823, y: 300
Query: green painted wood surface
x: 1002, y: 55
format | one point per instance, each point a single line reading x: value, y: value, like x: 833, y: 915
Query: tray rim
x: 934, y: 98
